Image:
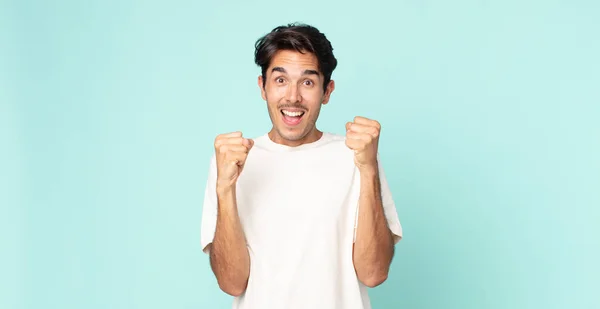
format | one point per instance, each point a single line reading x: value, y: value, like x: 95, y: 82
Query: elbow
x: 371, y: 275
x: 374, y: 280
x: 233, y: 289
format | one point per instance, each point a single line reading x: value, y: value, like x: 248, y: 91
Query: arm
x: 229, y: 257
x: 374, y: 246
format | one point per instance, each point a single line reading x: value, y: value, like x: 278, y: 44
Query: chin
x: 292, y: 135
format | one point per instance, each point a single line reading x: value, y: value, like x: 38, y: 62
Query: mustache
x: 294, y: 106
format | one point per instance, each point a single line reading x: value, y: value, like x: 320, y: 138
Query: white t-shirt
x: 298, y: 208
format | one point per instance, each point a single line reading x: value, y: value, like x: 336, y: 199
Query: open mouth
x: 292, y: 117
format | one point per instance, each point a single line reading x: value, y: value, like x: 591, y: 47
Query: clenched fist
x: 362, y: 136
x: 231, y: 151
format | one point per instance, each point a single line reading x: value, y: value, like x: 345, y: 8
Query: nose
x: 293, y: 95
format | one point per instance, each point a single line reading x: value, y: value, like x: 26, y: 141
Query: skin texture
x: 293, y: 82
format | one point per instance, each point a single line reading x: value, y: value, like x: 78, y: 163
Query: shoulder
x: 334, y: 137
x: 261, y: 140
x: 334, y: 140
x: 334, y: 144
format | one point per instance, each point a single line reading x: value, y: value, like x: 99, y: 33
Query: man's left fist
x: 362, y: 136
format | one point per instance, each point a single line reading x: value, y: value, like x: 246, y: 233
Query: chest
x: 281, y: 194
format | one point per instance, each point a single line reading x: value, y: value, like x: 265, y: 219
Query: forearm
x: 373, y: 247
x: 229, y: 255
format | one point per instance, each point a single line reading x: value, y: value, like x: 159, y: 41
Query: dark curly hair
x: 300, y: 37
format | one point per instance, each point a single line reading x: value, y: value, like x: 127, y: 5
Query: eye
x: 279, y: 80
x: 308, y: 82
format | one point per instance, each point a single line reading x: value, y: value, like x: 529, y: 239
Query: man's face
x: 294, y: 93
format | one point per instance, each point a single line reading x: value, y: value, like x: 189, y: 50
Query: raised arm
x: 229, y: 258
x: 373, y: 247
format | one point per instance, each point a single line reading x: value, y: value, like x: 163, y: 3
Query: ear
x: 262, y: 89
x: 328, y: 91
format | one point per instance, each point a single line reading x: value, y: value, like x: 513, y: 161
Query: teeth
x: 292, y: 114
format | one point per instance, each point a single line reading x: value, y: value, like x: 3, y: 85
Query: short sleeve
x: 209, y: 208
x: 389, y: 207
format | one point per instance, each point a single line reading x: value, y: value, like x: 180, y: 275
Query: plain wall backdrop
x: 491, y: 144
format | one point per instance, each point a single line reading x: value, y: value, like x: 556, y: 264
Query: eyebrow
x: 306, y: 72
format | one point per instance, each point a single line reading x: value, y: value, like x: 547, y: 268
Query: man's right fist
x: 231, y: 151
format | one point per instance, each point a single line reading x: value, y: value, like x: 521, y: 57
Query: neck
x: 311, y: 137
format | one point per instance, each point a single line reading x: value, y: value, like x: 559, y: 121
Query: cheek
x: 279, y: 92
x: 312, y: 97
x: 275, y: 93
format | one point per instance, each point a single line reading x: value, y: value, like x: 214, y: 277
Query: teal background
x: 491, y: 143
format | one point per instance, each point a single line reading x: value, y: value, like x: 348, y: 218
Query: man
x: 299, y: 218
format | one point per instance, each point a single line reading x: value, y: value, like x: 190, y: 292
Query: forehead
x: 292, y: 60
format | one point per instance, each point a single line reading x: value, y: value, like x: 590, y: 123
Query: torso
x: 298, y: 207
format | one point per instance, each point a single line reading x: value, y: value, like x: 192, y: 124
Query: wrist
x: 371, y: 170
x: 225, y: 188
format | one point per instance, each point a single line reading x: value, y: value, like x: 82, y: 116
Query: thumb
x: 248, y: 143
